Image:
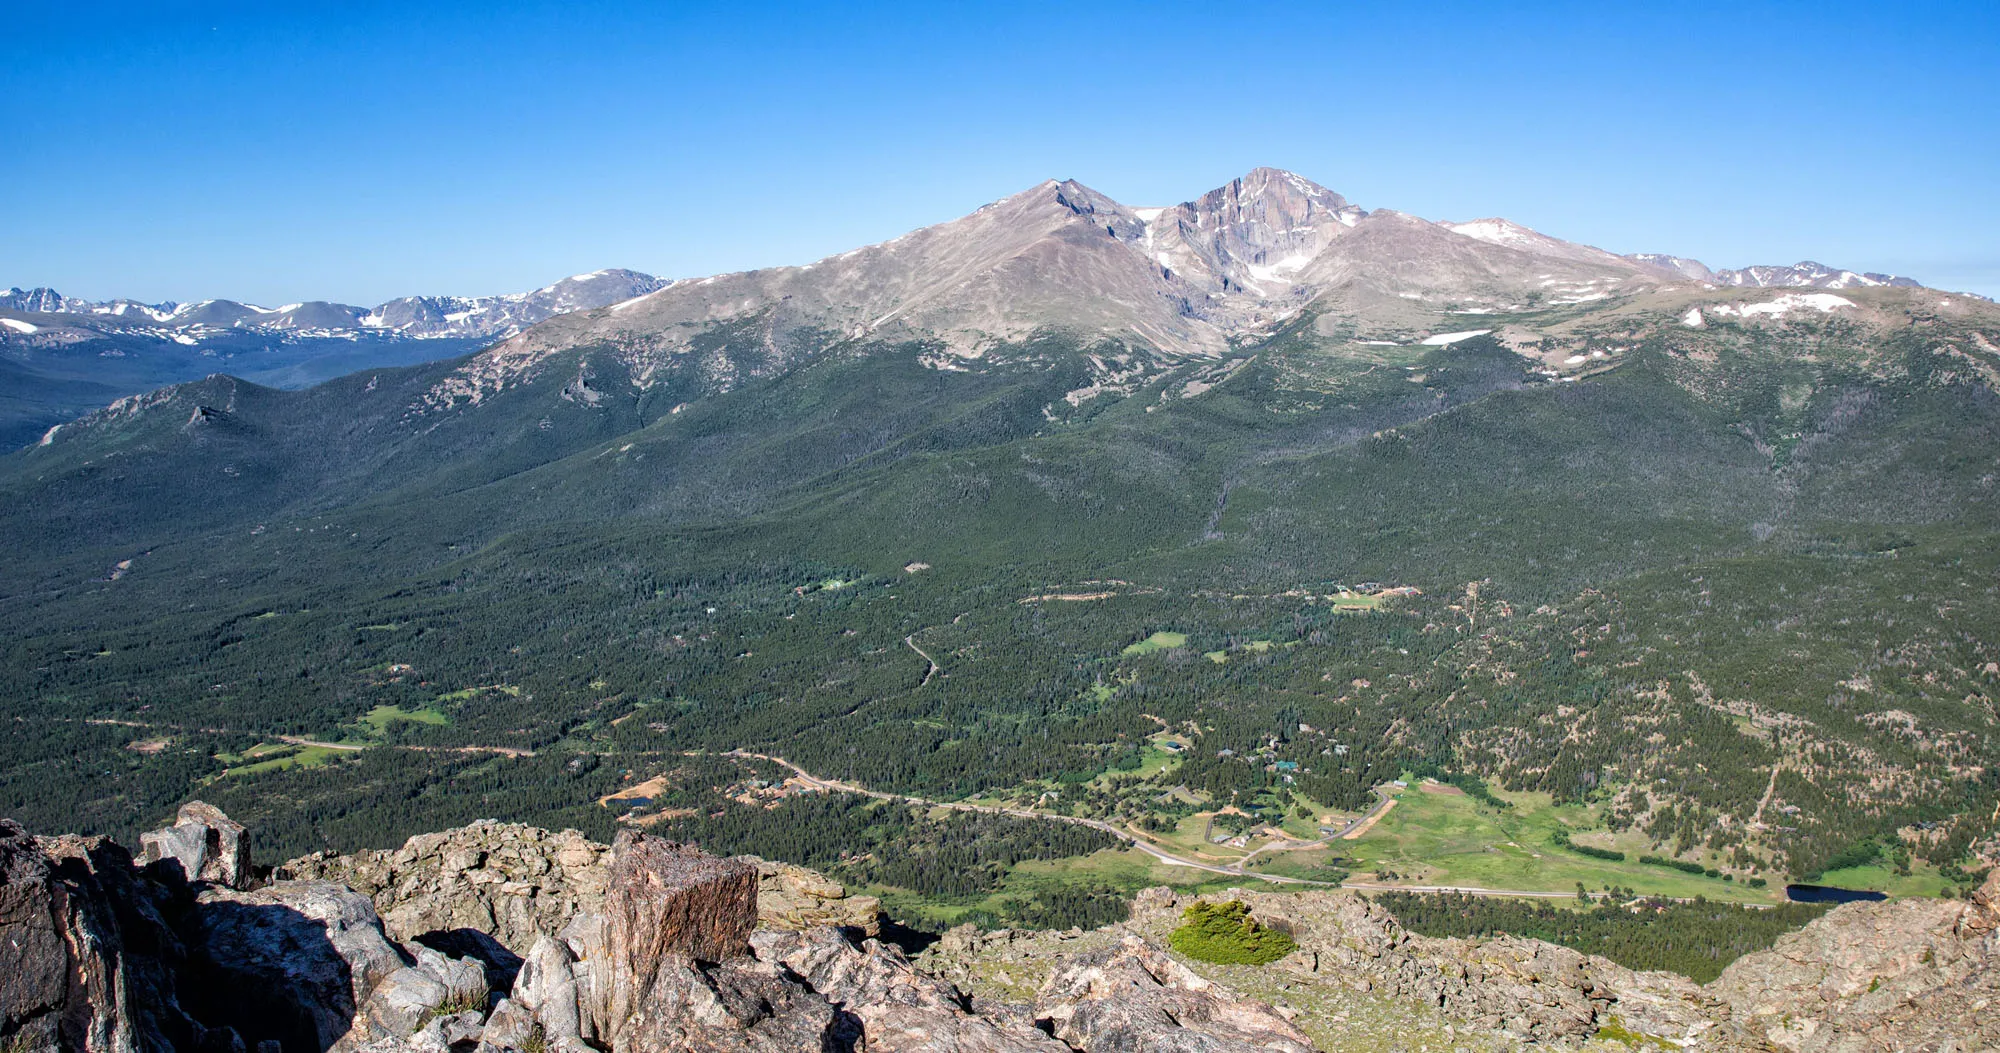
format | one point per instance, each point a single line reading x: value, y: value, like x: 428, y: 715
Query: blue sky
x: 355, y: 152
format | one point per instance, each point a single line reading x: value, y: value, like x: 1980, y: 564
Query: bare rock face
x: 795, y: 898
x: 897, y: 1009
x: 206, y: 844
x: 1133, y: 996
x: 306, y: 964
x: 87, y: 954
x: 1902, y: 974
x: 34, y: 956
x: 667, y: 906
x: 510, y: 883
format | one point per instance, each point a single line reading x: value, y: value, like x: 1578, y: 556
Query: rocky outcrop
x: 666, y: 964
x: 897, y: 1008
x: 516, y: 884
x: 792, y: 897
x: 1903, y: 974
x: 665, y: 948
x: 88, y: 958
x: 306, y: 964
x: 499, y: 883
x: 1527, y: 989
x: 1133, y: 996
x: 206, y: 846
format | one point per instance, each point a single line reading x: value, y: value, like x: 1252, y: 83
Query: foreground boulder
x: 206, y: 846
x: 307, y: 965
x: 87, y: 960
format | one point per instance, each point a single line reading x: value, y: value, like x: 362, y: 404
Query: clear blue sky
x: 276, y: 152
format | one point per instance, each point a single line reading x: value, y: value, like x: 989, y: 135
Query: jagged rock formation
x: 659, y: 948
x: 516, y: 884
x: 87, y: 957
x: 207, y: 845
x: 1915, y: 974
x: 1130, y: 996
x: 508, y: 882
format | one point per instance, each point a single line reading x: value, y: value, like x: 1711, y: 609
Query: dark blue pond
x: 1828, y: 894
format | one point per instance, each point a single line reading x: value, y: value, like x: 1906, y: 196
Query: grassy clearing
x: 1160, y: 641
x: 1446, y: 839
x: 1922, y: 880
x: 381, y: 717
x: 279, y: 757
x: 1254, y: 647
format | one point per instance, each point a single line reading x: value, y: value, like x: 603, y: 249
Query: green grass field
x: 278, y: 757
x: 1160, y: 641
x: 381, y: 717
x: 1449, y: 839
x: 1922, y: 880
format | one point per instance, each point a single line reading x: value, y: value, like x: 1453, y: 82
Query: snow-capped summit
x: 411, y: 316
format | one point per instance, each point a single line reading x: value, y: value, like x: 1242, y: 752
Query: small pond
x: 1829, y: 894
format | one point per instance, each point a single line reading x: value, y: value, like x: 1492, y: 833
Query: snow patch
x: 1442, y: 339
x: 1692, y: 319
x: 19, y: 326
x: 1822, y: 302
x: 1494, y: 231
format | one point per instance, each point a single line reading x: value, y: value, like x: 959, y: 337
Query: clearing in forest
x: 1160, y: 641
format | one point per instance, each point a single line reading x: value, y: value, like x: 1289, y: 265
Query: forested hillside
x: 1730, y: 588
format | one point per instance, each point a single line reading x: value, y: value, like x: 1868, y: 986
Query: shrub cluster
x: 1225, y: 934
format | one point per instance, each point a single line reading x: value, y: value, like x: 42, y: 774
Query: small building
x: 1285, y: 765
x: 1172, y: 747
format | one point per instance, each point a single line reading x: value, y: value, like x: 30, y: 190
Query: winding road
x: 1164, y: 856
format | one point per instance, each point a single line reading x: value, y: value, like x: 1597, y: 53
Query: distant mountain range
x: 419, y: 317
x: 1189, y: 278
x: 61, y: 357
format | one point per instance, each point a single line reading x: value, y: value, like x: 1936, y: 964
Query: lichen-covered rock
x: 1136, y: 997
x: 795, y: 898
x: 205, y: 844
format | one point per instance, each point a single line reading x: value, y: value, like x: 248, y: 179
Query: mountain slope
x: 930, y: 513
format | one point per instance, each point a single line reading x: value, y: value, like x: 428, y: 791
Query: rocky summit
x: 496, y: 937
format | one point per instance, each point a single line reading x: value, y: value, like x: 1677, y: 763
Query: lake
x: 1829, y: 894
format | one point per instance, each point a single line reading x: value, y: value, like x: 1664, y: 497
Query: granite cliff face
x: 648, y: 945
